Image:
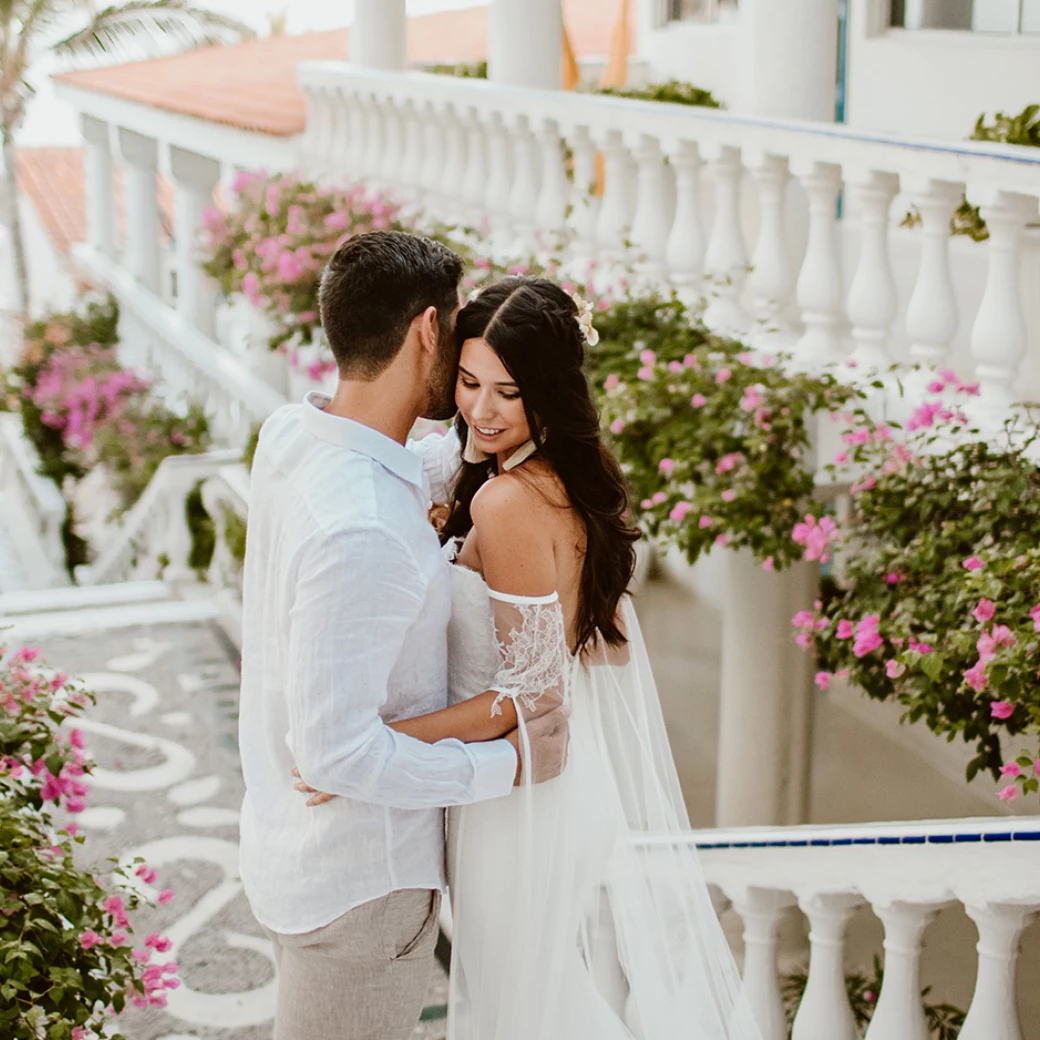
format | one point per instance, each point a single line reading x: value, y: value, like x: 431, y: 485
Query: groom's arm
x: 357, y: 595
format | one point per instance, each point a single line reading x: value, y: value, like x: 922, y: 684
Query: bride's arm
x: 470, y: 721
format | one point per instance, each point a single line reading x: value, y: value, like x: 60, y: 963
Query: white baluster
x: 819, y: 288
x: 433, y: 135
x: 761, y: 909
x: 872, y: 296
x: 931, y: 317
x: 999, y: 335
x: 614, y: 222
x: 726, y: 258
x: 474, y: 182
x: 373, y: 136
x: 551, y: 210
x: 357, y: 125
x: 824, y: 1013
x: 686, y: 243
x: 524, y: 196
x: 899, y: 1014
x: 584, y: 201
x: 500, y: 168
x: 339, y: 149
x: 412, y: 161
x: 455, y: 160
x: 393, y: 141
x: 993, y: 1014
x: 652, y: 221
x: 319, y: 134
x: 771, y: 275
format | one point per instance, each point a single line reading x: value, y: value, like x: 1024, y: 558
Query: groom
x: 346, y: 603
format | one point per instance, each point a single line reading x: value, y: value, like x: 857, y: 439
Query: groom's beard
x: 440, y: 389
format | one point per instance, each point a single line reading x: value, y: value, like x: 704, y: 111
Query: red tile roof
x: 252, y: 85
x: 52, y: 179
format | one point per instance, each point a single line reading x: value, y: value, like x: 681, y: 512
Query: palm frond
x: 145, y: 29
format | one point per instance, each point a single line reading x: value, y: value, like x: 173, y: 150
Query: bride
x: 566, y: 926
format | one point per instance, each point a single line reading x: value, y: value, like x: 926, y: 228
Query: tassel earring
x: 471, y: 453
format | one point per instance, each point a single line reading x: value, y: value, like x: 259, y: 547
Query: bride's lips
x: 485, y: 433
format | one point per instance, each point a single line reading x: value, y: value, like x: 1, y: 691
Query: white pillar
x: 526, y: 43
x: 819, y: 289
x: 993, y: 1014
x: 999, y: 336
x: 378, y: 37
x: 765, y: 710
x: 790, y: 53
x: 195, y: 177
x: 100, y: 186
x: 141, y: 155
x: 761, y: 909
x: 824, y: 1013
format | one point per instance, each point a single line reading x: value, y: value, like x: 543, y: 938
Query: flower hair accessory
x: 584, y: 320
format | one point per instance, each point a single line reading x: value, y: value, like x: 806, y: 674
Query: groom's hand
x: 320, y: 798
x: 549, y: 738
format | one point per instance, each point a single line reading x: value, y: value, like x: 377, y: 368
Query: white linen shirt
x: 346, y: 603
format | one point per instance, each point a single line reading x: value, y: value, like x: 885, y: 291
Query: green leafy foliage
x: 202, y: 529
x: 464, y: 70
x: 1023, y: 129
x: 672, y: 92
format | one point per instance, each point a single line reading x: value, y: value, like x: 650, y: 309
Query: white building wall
x: 51, y: 284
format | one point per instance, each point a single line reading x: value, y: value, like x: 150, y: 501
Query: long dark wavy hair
x: 531, y: 324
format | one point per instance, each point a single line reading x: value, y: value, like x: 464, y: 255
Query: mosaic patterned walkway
x: 167, y: 787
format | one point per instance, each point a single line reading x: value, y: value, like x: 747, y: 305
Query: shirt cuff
x: 494, y: 769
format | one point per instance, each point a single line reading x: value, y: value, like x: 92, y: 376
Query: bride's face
x: 489, y: 400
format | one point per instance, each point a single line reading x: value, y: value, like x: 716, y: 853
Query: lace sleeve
x: 441, y: 458
x: 532, y: 643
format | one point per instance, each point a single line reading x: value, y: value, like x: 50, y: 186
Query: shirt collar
x: 346, y: 433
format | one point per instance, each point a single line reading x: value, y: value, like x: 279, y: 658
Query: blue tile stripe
x: 880, y: 839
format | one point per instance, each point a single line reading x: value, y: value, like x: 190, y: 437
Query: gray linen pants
x: 362, y: 977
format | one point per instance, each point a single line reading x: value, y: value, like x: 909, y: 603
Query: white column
x: 765, y: 708
x: 686, y: 243
x: 771, y: 276
x: 551, y: 210
x: 195, y: 177
x: 100, y: 186
x: 525, y: 47
x: 378, y: 37
x: 931, y: 317
x: 474, y: 181
x: 824, y: 1013
x: 761, y: 910
x: 999, y: 336
x: 789, y: 52
x: 614, y: 219
x: 651, y: 223
x: 819, y: 287
x: 584, y: 201
x: 872, y: 296
x: 993, y: 1014
x: 141, y: 155
x: 727, y: 259
x: 899, y: 1014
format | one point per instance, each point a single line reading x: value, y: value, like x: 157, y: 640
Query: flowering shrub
x: 273, y: 242
x: 68, y: 962
x: 702, y: 426
x: 937, y: 602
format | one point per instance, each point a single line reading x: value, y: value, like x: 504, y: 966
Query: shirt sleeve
x: 441, y: 459
x: 357, y: 595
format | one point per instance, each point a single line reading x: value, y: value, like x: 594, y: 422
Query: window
x: 1007, y: 17
x: 702, y: 10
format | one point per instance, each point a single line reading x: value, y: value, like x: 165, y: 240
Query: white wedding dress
x: 565, y: 925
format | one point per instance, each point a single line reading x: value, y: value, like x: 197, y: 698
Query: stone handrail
x: 906, y: 873
x: 155, y: 535
x: 489, y: 153
x: 34, y: 510
x: 226, y: 494
x: 155, y: 339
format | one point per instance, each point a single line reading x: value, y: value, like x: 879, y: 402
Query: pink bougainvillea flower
x: 666, y: 466
x: 645, y: 373
x: 678, y: 514
x: 1034, y: 613
x: 166, y: 896
x: 768, y: 564
x: 721, y: 541
x: 803, y: 619
x: 893, y: 669
x: 972, y: 563
x: 119, y: 938
x: 728, y: 462
x: 648, y: 357
x: 841, y: 458
x: 984, y: 611
x: 986, y: 646
x: 976, y: 676
x: 892, y: 578
x: 705, y: 521
x: 698, y: 401
x: 611, y: 381
x: 804, y: 640
x: 823, y: 680
x: 89, y: 939
x: 1003, y: 636
x: 146, y: 874
x: 659, y: 498
x: 646, y: 504
x: 674, y: 366
x: 971, y: 389
x: 1011, y: 769
x: 845, y: 629
x: 722, y: 375
x: 1008, y: 794
x: 1001, y: 709
x: 144, y: 955
x: 936, y: 386
x: 617, y: 426
x: 728, y: 495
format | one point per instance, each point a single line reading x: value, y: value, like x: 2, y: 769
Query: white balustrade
x: 905, y: 873
x: 225, y: 495
x: 584, y: 200
x: 727, y: 259
x: 551, y: 210
x: 614, y: 217
x: 686, y: 244
x: 771, y: 276
x: 474, y: 182
x: 523, y: 199
x: 652, y: 221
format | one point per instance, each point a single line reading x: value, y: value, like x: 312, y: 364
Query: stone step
x: 45, y: 601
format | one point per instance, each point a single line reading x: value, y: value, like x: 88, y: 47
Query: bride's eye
x: 468, y: 385
x: 510, y: 397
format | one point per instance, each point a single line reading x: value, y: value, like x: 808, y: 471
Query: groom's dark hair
x: 372, y: 290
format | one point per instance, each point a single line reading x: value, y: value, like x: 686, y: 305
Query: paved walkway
x: 167, y: 787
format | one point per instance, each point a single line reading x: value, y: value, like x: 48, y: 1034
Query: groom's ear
x: 429, y: 331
